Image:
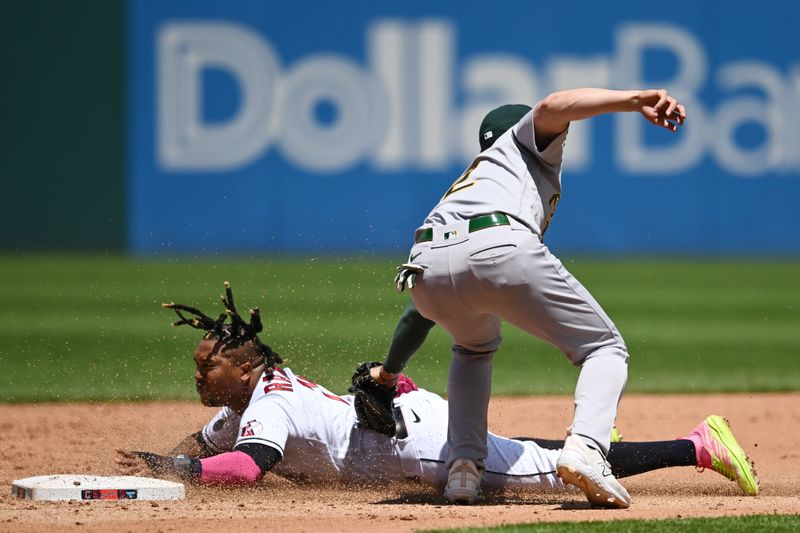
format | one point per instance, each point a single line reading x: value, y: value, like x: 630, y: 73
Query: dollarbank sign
x: 398, y: 112
x: 326, y: 133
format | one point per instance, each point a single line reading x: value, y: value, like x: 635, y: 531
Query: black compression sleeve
x: 631, y: 458
x: 411, y: 331
x: 265, y: 456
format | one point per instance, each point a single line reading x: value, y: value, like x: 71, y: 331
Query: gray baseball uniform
x: 484, y: 260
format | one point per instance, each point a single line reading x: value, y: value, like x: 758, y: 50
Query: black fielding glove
x: 373, y: 401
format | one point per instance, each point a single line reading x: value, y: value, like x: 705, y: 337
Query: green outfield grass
x: 91, y: 327
x: 738, y: 524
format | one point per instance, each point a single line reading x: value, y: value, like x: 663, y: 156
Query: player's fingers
x: 662, y: 102
x: 672, y: 105
x: 649, y: 113
x: 678, y: 115
x: 128, y: 461
x: 664, y: 123
x: 132, y: 468
x: 375, y: 373
x: 654, y: 118
x: 124, y: 454
x: 125, y: 463
x: 133, y: 472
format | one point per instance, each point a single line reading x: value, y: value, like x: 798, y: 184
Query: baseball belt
x: 475, y: 224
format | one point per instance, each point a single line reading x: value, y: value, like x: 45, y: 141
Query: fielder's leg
x: 597, y: 393
x: 469, y: 388
x: 476, y: 337
x: 541, y: 297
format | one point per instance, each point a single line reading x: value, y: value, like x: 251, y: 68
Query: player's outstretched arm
x: 193, y: 446
x: 133, y: 464
x: 553, y: 114
x: 247, y: 463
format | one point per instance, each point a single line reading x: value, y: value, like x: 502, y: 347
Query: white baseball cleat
x: 587, y: 469
x: 463, y: 482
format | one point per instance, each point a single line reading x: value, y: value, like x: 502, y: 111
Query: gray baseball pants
x: 471, y: 281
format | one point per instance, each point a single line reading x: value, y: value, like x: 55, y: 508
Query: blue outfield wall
x: 314, y: 126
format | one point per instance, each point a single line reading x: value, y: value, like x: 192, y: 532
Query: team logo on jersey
x: 252, y: 428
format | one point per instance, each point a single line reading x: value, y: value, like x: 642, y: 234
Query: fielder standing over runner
x: 479, y: 257
x: 274, y: 420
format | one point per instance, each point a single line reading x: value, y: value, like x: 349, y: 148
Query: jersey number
x: 313, y: 386
x: 462, y: 182
x: 553, y: 203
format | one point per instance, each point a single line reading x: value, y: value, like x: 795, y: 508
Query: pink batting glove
x: 404, y: 385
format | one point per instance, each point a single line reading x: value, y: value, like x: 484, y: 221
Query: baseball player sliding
x: 479, y: 257
x: 274, y: 420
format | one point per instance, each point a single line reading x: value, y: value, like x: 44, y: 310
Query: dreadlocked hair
x: 228, y: 335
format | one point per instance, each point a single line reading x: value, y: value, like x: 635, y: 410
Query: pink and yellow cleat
x: 718, y: 450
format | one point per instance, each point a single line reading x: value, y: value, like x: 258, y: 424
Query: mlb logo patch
x: 487, y: 135
x: 448, y: 235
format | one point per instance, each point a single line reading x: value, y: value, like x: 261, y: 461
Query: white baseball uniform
x: 316, y: 433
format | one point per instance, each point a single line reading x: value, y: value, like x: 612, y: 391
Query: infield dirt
x: 80, y: 438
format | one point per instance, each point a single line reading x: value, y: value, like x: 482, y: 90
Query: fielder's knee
x: 613, y: 351
x: 477, y: 351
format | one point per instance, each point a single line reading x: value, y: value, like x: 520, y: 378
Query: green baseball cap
x: 497, y: 121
